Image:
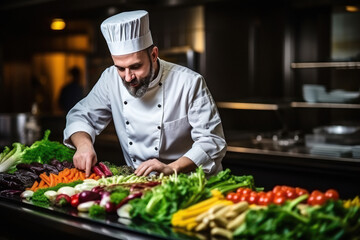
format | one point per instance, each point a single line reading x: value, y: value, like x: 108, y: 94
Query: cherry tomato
x: 311, y: 200
x: 253, y: 198
x: 264, y: 200
x: 315, y: 192
x: 277, y: 188
x: 320, y: 199
x: 316, y: 198
x: 270, y: 195
x: 230, y: 196
x: 237, y: 198
x: 254, y: 193
x: 246, y: 191
x: 239, y: 190
x: 301, y: 191
x: 285, y: 188
x: 244, y: 197
x: 332, y: 194
x: 291, y: 193
x: 280, y: 193
x: 279, y: 200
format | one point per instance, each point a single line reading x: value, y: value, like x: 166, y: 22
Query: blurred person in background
x: 72, y: 92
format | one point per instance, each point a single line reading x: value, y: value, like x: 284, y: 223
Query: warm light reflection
x: 57, y: 24
x: 352, y: 8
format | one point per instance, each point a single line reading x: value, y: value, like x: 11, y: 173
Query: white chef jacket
x: 176, y: 117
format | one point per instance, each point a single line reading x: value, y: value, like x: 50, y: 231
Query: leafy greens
x: 177, y: 192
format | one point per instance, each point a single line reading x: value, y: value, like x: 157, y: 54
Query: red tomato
x: 246, y: 191
x: 301, y: 191
x: 311, y: 200
x: 267, y: 200
x: 320, y: 199
x: 253, y: 198
x: 280, y: 194
x: 254, y: 193
x: 279, y: 200
x: 264, y: 200
x: 239, y: 190
x: 244, y: 197
x: 285, y: 188
x: 315, y: 192
x: 277, y: 188
x: 316, y: 198
x: 230, y: 196
x: 261, y: 193
x: 237, y: 198
x: 270, y: 195
x: 332, y: 194
x: 291, y: 193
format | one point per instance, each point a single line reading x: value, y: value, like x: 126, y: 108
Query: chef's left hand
x: 153, y: 165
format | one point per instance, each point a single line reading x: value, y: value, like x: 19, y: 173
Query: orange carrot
x: 35, y: 184
x: 45, y: 178
x: 76, y: 175
x: 72, y: 173
x: 52, y: 180
x: 41, y: 184
x: 82, y: 175
x: 92, y: 175
x: 65, y: 172
x: 65, y: 180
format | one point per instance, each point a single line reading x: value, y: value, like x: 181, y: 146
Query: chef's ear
x: 154, y: 54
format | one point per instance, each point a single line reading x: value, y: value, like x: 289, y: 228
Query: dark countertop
x: 20, y: 220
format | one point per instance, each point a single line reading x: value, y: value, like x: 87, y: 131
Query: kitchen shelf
x: 249, y: 150
x: 247, y: 106
x: 324, y: 105
x: 274, y: 107
x: 350, y: 65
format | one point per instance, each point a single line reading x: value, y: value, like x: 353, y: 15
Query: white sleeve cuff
x: 199, y: 157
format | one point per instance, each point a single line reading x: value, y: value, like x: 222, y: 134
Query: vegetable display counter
x: 21, y: 220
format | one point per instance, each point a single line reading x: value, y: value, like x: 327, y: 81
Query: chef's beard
x: 143, y: 84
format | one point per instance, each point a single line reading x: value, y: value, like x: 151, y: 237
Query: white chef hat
x: 127, y: 32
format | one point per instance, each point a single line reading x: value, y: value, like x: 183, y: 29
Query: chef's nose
x: 129, y: 75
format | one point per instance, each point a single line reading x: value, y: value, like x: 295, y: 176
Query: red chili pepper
x: 97, y: 171
x: 62, y: 200
x: 75, y: 200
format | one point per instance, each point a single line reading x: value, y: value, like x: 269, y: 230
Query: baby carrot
x: 33, y: 187
x: 82, y: 175
x: 45, y: 178
x: 92, y: 176
x: 41, y: 184
x: 76, y: 176
x: 65, y: 180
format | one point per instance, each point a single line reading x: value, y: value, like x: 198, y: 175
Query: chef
x: 164, y: 115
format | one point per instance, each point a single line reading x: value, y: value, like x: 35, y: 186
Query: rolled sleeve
x: 197, y: 155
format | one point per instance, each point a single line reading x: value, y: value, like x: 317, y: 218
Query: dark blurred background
x: 256, y: 56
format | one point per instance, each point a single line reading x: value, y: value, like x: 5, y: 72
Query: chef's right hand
x: 85, y: 155
x: 84, y: 158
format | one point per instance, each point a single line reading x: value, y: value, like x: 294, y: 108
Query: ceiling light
x: 57, y: 24
x: 352, y: 8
